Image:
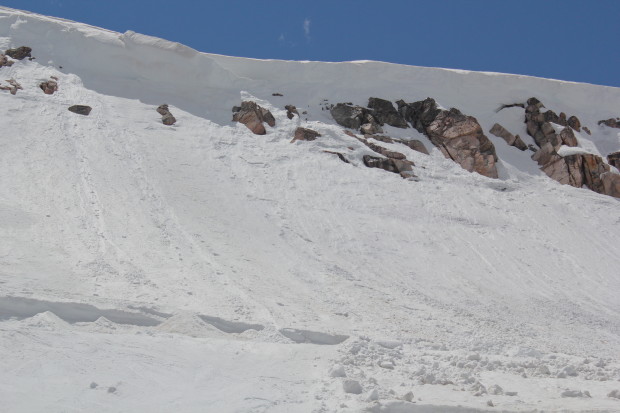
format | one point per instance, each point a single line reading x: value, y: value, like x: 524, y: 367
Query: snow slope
x: 199, y: 267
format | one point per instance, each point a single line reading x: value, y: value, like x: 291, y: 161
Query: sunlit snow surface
x: 200, y: 267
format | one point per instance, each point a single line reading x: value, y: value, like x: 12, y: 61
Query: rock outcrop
x: 81, y: 109
x: 512, y: 140
x: 50, y: 86
x: 578, y: 170
x: 303, y: 134
x: 19, y: 53
x: 459, y: 137
x: 414, y: 144
x: 166, y: 116
x: 348, y: 115
x: 383, y: 112
x: 339, y: 155
x: 253, y: 116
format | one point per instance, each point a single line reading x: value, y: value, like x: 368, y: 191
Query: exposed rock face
x: 612, y: 123
x: 459, y: 137
x: 166, y: 116
x: 348, y: 115
x: 49, y: 87
x: 574, y: 123
x: 371, y: 126
x: 512, y: 140
x: 416, y: 145
x: 303, y: 134
x: 253, y: 116
x: 19, y: 53
x: 385, y: 113
x: 614, y: 159
x: 81, y: 109
x: 291, y: 111
x: 4, y: 61
x: 577, y: 170
x: 399, y: 166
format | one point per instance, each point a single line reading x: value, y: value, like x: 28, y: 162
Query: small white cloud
x: 281, y: 39
x: 307, y: 28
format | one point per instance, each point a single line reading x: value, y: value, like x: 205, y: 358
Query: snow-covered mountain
x: 201, y: 267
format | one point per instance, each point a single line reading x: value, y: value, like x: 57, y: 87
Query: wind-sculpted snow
x: 256, y: 274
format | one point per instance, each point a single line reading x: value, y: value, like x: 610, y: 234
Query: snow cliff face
x: 199, y: 266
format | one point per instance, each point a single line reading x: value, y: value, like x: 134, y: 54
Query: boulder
x: 19, y: 53
x: 611, y: 184
x: 574, y: 123
x: 420, y: 114
x: 399, y: 166
x: 4, y: 61
x: 614, y: 159
x: 385, y: 113
x: 166, y: 116
x: 291, y: 111
x: 303, y: 134
x: 253, y: 116
x: 567, y: 137
x: 49, y: 87
x: 348, y: 115
x: 512, y: 140
x: 80, y: 109
x: 416, y: 145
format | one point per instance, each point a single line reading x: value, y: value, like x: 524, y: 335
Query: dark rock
x: 385, y: 113
x: 166, y: 116
x: 80, y: 109
x: 277, y: 94
x: 4, y: 61
x: 253, y: 116
x: 49, y: 87
x: 340, y: 156
x: 511, y: 105
x: 348, y: 116
x: 535, y: 102
x: 550, y: 116
x: 291, y: 111
x: 612, y: 123
x: 585, y: 128
x: 303, y: 134
x: 402, y: 167
x: 380, y: 138
x: 420, y: 114
x: 512, y: 140
x: 19, y: 53
x: 574, y: 123
x: 614, y: 159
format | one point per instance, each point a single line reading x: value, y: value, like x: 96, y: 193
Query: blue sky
x: 568, y: 40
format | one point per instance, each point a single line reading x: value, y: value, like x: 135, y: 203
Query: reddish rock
x: 567, y: 137
x: 578, y: 171
x: 303, y: 134
x: 49, y: 87
x: 13, y: 88
x: 166, y: 116
x: 459, y: 137
x: 611, y: 184
x: 291, y: 111
x: 512, y: 140
x: 612, y: 123
x: 402, y: 167
x: 253, y: 116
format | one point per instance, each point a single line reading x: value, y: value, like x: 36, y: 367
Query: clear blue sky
x: 569, y: 39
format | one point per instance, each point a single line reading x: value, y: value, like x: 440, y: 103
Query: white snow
x: 266, y: 267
